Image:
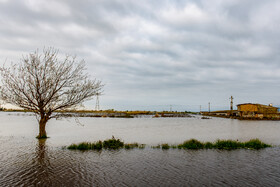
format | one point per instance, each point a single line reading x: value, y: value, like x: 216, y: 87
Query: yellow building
x: 248, y: 110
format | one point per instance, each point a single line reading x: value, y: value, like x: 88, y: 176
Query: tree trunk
x: 42, y: 128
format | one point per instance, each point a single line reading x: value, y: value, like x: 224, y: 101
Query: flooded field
x: 25, y: 161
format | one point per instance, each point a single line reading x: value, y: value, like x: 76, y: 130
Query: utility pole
x: 209, y: 106
x: 170, y: 108
x: 231, y: 105
x: 200, y: 108
x: 97, y: 108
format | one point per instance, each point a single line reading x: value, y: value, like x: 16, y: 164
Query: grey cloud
x: 156, y: 52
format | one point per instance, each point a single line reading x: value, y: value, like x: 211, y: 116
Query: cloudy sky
x: 155, y: 53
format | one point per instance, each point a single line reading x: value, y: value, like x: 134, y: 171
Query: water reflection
x: 41, y: 152
x: 26, y: 161
x: 40, y: 167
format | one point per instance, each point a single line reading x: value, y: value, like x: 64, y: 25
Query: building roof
x: 264, y: 106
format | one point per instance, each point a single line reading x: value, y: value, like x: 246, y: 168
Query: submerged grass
x: 106, y: 144
x: 189, y: 144
x: 87, y: 146
x: 131, y: 146
x: 228, y: 144
x: 255, y: 144
x: 165, y: 146
x: 224, y: 144
x: 113, y: 144
x: 156, y: 147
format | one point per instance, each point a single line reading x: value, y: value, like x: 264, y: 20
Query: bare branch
x: 44, y: 84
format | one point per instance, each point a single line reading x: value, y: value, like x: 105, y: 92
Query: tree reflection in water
x: 42, y: 169
x: 42, y: 152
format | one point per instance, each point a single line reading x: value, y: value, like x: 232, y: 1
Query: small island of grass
x: 106, y: 144
x: 219, y: 144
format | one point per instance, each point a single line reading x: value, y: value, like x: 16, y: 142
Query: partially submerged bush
x: 208, y: 145
x: 228, y: 144
x: 165, y: 146
x: 191, y: 144
x: 113, y: 143
x: 255, y: 144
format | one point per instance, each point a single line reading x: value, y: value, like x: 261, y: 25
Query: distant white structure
x: 97, y: 108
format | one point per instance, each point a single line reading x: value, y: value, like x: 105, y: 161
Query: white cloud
x: 189, y: 14
x: 49, y: 7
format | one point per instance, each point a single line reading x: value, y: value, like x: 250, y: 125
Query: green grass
x: 134, y: 145
x: 223, y: 144
x: 106, y: 144
x: 87, y: 146
x: 228, y: 144
x: 131, y: 146
x: 255, y: 144
x: 208, y: 145
x: 165, y: 146
x: 156, y: 147
x: 189, y: 144
x: 142, y: 146
x: 113, y: 144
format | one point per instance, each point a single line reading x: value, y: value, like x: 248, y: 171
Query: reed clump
x: 156, y: 147
x: 191, y: 144
x: 131, y: 146
x: 224, y: 144
x: 165, y: 146
x: 87, y: 146
x: 228, y: 144
x: 112, y: 143
x: 256, y: 144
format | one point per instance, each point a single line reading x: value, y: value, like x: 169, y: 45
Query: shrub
x: 255, y: 144
x: 97, y: 145
x: 165, y: 146
x: 84, y: 146
x: 208, y: 145
x: 228, y: 144
x: 113, y: 143
x: 191, y: 144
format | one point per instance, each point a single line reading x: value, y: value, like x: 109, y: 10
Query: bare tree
x: 43, y: 84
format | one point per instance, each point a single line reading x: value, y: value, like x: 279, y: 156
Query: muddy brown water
x: 25, y: 161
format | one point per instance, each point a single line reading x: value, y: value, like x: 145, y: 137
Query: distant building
x: 251, y: 110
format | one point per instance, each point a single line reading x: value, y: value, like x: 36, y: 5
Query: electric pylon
x: 97, y: 108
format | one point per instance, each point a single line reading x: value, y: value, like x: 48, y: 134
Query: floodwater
x: 25, y: 161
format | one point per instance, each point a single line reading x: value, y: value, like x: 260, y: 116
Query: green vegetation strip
x: 219, y: 144
x: 189, y: 144
x: 107, y: 144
